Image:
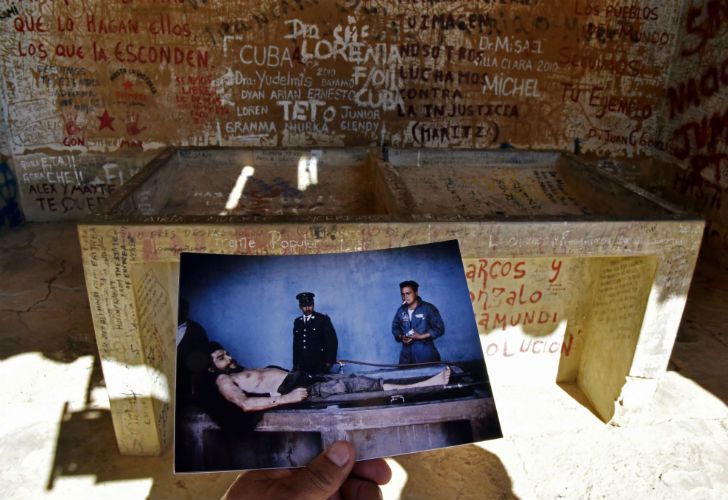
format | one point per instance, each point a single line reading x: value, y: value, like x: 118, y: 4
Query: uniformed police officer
x: 314, y: 338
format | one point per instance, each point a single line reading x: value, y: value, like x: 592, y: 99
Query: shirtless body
x: 235, y: 384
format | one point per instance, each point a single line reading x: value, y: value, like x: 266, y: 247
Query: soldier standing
x: 314, y: 338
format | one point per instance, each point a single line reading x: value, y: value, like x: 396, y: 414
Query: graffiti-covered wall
x: 84, y: 79
x: 696, y: 120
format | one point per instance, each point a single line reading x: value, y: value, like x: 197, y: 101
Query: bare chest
x: 260, y: 381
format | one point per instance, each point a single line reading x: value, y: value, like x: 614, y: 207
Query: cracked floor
x: 57, y: 440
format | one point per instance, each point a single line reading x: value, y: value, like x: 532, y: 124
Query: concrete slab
x: 574, y: 276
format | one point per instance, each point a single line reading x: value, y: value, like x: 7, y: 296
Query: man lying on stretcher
x: 246, y: 387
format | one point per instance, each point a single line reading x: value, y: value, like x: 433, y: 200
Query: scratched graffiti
x: 127, y: 76
x: 71, y: 185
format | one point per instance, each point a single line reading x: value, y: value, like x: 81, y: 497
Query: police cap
x: 305, y: 298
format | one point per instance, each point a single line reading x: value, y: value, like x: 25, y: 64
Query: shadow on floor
x: 83, y: 448
x: 701, y: 347
x: 85, y: 438
x: 86, y: 446
x: 462, y: 472
x: 573, y: 390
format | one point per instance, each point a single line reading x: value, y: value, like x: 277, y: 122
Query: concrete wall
x: 694, y: 171
x: 84, y: 79
x: 4, y: 124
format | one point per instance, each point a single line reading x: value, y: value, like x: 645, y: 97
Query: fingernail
x: 339, y: 454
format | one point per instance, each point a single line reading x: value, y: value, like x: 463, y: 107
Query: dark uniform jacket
x: 314, y: 344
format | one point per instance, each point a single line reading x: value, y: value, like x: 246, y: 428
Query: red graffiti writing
x: 196, y: 94
x: 688, y: 94
x: 705, y: 24
x: 504, y: 320
x: 163, y: 54
x: 32, y: 49
x: 102, y: 25
x: 530, y: 346
x: 497, y: 295
x: 699, y: 140
x: 132, y: 124
x: 556, y: 269
x: 495, y: 269
x: 29, y: 24
x: 704, y: 195
x: 131, y: 143
x: 70, y: 123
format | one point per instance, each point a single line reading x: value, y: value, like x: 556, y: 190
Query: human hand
x: 420, y: 336
x: 405, y: 339
x: 296, y: 395
x: 333, y: 474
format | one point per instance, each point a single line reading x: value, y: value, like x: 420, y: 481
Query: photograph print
x: 280, y: 356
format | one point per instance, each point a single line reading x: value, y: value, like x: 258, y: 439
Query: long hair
x: 227, y: 415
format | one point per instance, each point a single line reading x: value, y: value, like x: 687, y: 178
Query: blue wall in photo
x: 248, y: 304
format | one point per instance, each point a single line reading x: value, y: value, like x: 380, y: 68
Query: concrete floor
x: 56, y: 438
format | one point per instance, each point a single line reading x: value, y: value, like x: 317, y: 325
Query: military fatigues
x: 314, y: 343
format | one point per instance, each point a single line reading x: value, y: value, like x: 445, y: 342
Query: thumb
x: 324, y: 475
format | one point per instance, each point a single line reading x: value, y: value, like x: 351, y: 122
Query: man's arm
x: 235, y: 395
x: 437, y: 326
x: 396, y: 330
x: 296, y: 354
